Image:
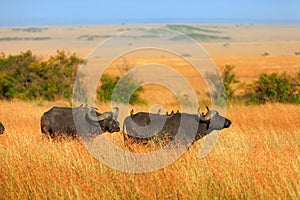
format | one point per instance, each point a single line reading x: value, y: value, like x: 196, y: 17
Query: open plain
x: 256, y: 158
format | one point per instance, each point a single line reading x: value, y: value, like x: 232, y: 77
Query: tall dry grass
x: 256, y: 158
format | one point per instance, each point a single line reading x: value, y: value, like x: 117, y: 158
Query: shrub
x: 25, y: 77
x: 276, y: 88
x: 229, y: 81
x: 127, y: 89
x: 223, y: 89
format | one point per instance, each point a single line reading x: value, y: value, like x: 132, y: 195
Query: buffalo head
x: 213, y: 120
x: 107, y: 121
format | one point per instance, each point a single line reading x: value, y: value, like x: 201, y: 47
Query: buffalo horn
x: 106, y: 115
x: 210, y: 114
x: 207, y: 108
x: 109, y: 115
x: 116, y: 113
x: 198, y: 113
x: 91, y: 114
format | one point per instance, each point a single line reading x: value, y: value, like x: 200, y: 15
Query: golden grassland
x: 256, y: 158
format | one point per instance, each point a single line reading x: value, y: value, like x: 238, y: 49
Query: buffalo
x: 1, y: 128
x: 182, y: 128
x: 83, y: 121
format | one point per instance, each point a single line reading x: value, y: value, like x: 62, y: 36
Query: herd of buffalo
x: 86, y: 123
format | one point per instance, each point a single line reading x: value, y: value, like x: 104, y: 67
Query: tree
x: 25, y: 77
x: 229, y: 81
x: 127, y: 89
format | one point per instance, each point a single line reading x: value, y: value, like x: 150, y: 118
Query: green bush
x: 229, y: 81
x: 276, y: 88
x: 127, y: 89
x: 223, y: 89
x: 25, y: 77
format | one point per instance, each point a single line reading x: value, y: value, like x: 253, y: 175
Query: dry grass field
x: 256, y: 158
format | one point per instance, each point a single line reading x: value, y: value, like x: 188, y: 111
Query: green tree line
x: 24, y: 76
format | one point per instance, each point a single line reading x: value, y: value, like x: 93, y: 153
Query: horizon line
x: 114, y: 21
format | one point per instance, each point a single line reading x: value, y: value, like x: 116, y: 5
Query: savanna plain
x: 256, y: 158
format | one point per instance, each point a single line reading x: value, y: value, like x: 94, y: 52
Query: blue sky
x: 118, y: 11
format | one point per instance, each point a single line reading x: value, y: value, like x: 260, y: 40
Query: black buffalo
x: 183, y: 127
x: 1, y: 128
x: 71, y: 122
